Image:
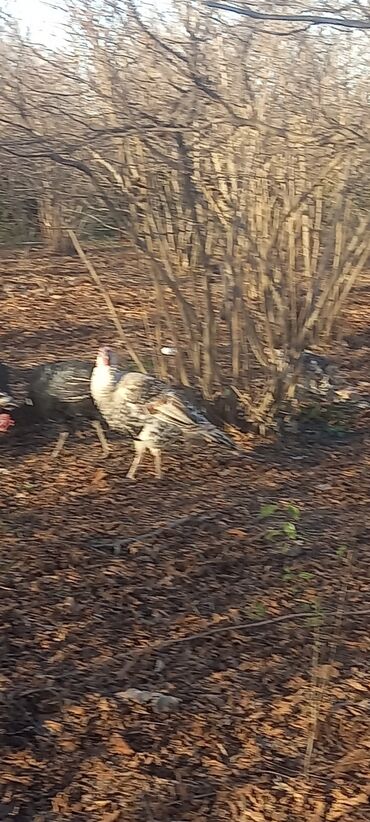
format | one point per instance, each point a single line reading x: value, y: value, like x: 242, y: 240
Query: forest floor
x: 263, y: 644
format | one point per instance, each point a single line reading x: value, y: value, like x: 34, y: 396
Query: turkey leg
x: 140, y: 448
x: 62, y: 439
x: 101, y: 437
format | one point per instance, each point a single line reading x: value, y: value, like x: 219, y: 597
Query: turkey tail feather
x: 172, y: 410
x: 217, y: 436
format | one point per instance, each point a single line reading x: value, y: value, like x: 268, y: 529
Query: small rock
x: 165, y: 704
x: 160, y: 703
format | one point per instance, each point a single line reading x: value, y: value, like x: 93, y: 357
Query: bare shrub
x: 230, y: 159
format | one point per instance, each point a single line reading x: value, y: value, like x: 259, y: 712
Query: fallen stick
x: 159, y: 646
x: 118, y: 544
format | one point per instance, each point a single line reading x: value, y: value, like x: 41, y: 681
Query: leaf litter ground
x: 99, y: 596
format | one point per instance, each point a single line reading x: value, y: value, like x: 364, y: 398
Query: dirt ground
x: 261, y: 639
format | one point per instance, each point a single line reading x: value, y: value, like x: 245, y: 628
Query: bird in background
x: 150, y: 411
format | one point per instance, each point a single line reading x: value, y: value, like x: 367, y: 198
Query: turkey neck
x: 102, y: 386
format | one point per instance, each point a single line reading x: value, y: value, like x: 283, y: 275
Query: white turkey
x: 151, y: 411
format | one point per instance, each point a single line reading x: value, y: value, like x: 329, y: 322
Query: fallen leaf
x: 59, y: 803
x: 338, y: 809
x: 68, y: 744
x: 237, y: 532
x: 76, y: 709
x: 12, y: 777
x: 353, y: 683
x: 99, y: 476
x: 53, y: 727
x: 326, y: 670
x: 351, y: 759
x: 104, y: 705
x: 118, y: 745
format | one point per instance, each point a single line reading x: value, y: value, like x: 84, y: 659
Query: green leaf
x: 271, y: 533
x: 289, y: 530
x: 257, y: 609
x: 342, y: 551
x: 288, y: 574
x: 267, y: 510
x: 305, y: 575
x: 293, y: 511
x: 315, y: 621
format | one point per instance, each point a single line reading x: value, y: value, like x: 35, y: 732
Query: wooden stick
x: 159, y: 646
x: 118, y: 544
x: 108, y: 301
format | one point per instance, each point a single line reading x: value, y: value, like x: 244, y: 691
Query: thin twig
x: 118, y: 544
x: 236, y: 626
x: 316, y: 699
x: 320, y: 681
x: 108, y: 301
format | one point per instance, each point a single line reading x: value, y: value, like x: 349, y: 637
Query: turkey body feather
x: 61, y: 391
x: 62, y: 388
x: 123, y: 399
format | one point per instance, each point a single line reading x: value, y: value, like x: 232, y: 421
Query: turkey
x: 151, y: 411
x: 122, y: 397
x: 61, y: 391
x: 172, y: 420
x: 57, y: 391
x: 6, y: 400
x: 318, y: 375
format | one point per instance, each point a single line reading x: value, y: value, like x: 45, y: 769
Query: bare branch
x: 314, y: 19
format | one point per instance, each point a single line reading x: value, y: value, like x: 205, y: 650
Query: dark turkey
x: 6, y: 399
x: 60, y: 391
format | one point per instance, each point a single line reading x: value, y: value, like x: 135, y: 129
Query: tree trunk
x: 51, y: 227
